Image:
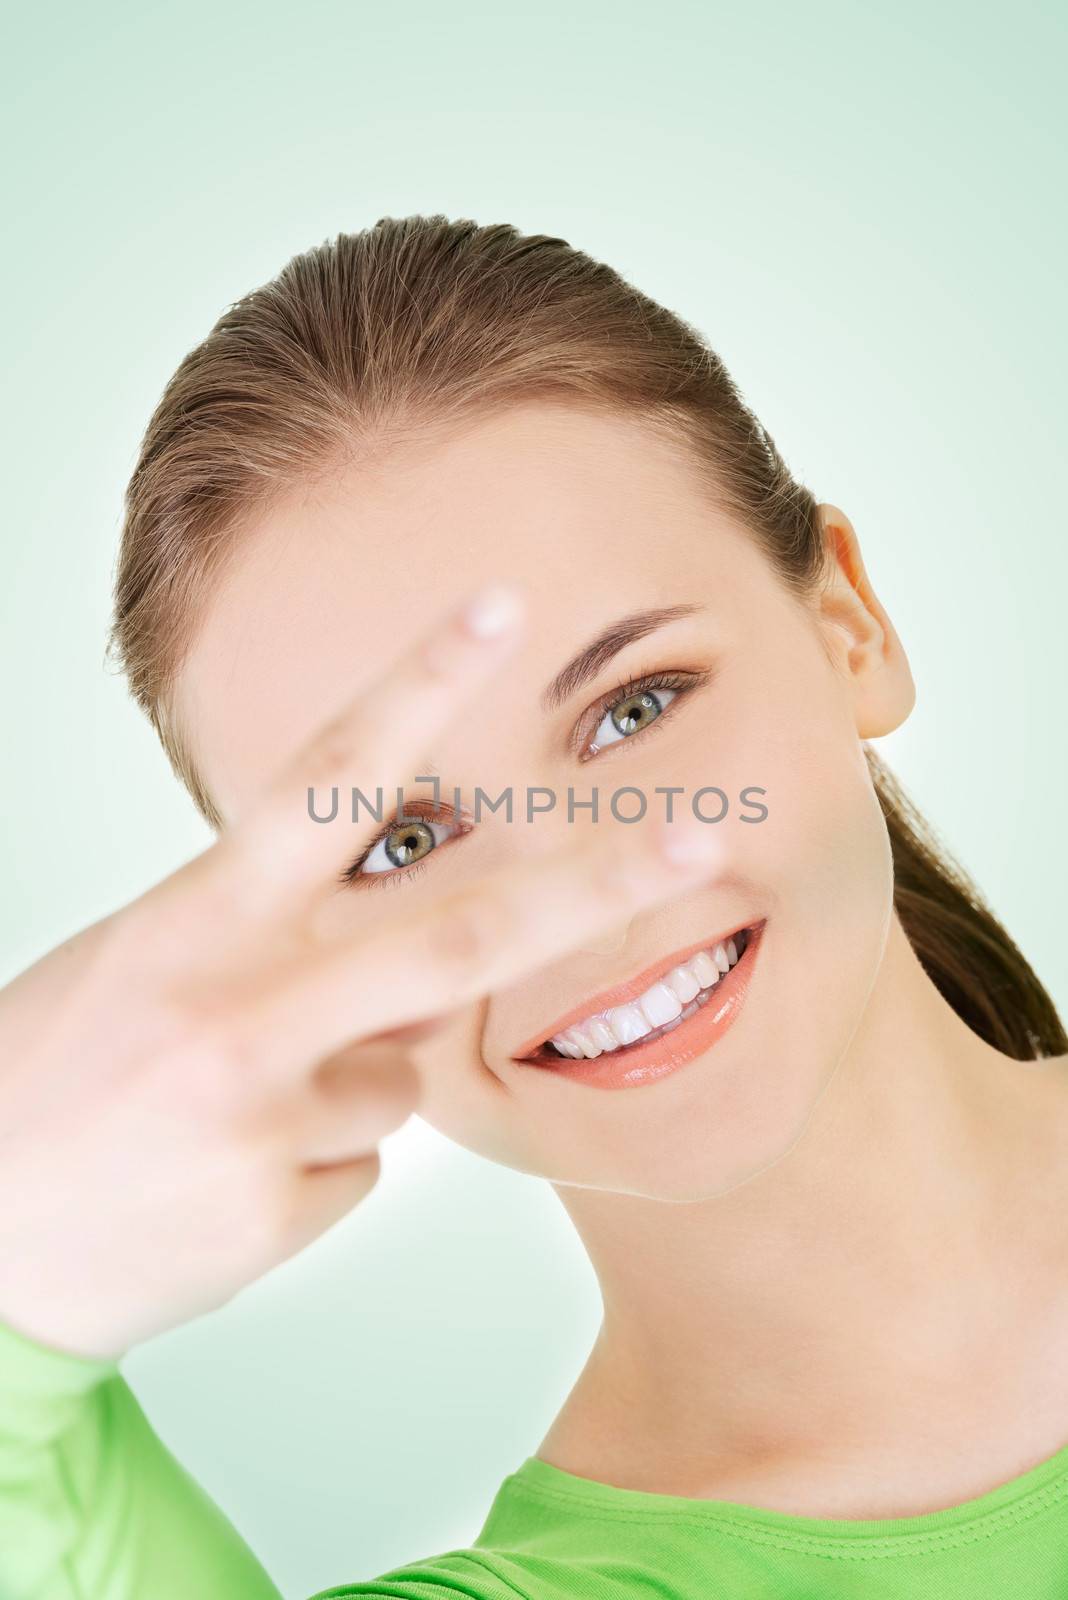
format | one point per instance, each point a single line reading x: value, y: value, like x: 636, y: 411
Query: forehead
x: 592, y: 514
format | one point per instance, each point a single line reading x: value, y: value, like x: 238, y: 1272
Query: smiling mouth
x: 674, y: 997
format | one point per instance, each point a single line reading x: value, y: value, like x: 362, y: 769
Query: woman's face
x: 598, y: 520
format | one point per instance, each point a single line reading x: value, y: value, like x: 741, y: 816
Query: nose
x: 548, y: 830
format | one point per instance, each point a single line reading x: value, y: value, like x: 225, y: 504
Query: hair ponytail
x: 962, y: 946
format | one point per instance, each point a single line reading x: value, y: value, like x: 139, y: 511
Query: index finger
x: 371, y: 744
x: 472, y: 940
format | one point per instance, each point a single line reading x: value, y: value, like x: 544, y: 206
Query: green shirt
x: 93, y: 1506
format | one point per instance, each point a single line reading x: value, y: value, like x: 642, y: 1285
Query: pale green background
x: 861, y: 205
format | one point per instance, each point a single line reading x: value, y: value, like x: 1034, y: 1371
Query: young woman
x: 827, y: 1215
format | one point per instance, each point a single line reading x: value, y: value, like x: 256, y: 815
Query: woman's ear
x: 858, y: 634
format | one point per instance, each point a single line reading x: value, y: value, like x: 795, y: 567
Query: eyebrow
x: 608, y: 643
x: 587, y: 663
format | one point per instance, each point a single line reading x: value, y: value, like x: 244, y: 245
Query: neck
x: 881, y: 1261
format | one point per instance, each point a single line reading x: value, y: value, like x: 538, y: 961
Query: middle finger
x: 474, y: 940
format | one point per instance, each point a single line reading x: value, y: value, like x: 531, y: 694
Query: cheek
x: 822, y: 856
x: 825, y: 846
x: 819, y: 865
x: 825, y: 838
x: 836, y: 835
x: 827, y: 852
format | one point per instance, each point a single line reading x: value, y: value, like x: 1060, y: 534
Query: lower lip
x: 639, y: 1064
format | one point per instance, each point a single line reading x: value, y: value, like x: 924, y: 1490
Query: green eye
x: 405, y: 844
x: 629, y: 715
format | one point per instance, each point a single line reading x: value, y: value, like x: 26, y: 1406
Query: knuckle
x: 363, y: 1175
x: 344, y: 744
x: 333, y: 750
x: 386, y: 1080
x: 295, y: 1207
x: 215, y: 1066
x: 473, y: 928
x: 392, y: 1102
x: 367, y: 1172
x: 407, y: 1034
x: 407, y: 1089
x: 263, y: 1203
x: 605, y: 879
x: 358, y: 1174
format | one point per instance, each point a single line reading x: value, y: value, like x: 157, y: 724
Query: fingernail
x: 688, y: 839
x: 493, y: 611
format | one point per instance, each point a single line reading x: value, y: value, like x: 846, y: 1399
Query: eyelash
x: 681, y: 683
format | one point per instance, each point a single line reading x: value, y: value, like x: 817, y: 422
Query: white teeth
x: 705, y: 969
x: 684, y: 982
x: 600, y: 1031
x: 628, y: 1023
x: 661, y: 1003
x: 580, y: 1034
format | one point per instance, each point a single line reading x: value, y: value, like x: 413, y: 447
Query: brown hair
x: 423, y: 322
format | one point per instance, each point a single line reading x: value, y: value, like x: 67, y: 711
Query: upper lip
x: 621, y: 993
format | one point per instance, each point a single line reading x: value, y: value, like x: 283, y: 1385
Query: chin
x: 737, y: 1109
x: 733, y: 1096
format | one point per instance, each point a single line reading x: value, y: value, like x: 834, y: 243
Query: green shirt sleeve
x: 93, y: 1506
